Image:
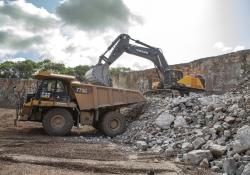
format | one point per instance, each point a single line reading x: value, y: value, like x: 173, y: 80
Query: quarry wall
x: 220, y: 72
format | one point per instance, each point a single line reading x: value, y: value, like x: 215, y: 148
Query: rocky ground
x: 186, y: 135
x: 207, y: 131
x: 28, y: 150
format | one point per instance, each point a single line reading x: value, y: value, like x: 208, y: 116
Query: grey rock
x: 209, y: 117
x: 218, y: 163
x: 215, y: 168
x: 210, y: 108
x: 237, y: 157
x: 165, y: 120
x: 217, y: 150
x: 229, y: 166
x: 240, y: 170
x: 142, y: 145
x: 227, y: 133
x: 186, y: 147
x: 246, y: 170
x: 229, y: 120
x: 219, y: 109
x: 196, y: 156
x: 246, y: 158
x: 204, y: 163
x: 188, y: 120
x: 242, y: 142
x: 218, y: 128
x: 170, y: 152
x: 247, y: 152
x: 198, y: 142
x: 180, y: 122
x: 213, y: 132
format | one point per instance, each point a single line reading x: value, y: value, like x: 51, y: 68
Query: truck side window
x: 47, y: 89
x: 51, y: 85
x: 60, y: 86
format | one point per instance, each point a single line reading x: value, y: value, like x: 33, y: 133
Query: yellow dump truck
x: 61, y: 102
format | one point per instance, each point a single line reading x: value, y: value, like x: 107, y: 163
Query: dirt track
x: 28, y: 150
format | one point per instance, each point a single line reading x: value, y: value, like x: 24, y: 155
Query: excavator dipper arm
x: 119, y: 46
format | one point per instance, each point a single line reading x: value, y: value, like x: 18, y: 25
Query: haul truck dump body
x: 61, y: 102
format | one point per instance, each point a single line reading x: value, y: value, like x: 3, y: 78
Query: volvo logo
x: 142, y: 51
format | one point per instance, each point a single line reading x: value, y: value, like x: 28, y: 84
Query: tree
x: 25, y: 69
x: 7, y: 70
x: 47, y: 65
x: 80, y: 71
x: 117, y: 70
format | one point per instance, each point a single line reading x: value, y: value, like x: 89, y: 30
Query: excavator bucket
x: 99, y: 75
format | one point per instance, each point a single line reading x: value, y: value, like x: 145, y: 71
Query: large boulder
x: 164, y: 120
x: 196, y: 156
x: 242, y: 142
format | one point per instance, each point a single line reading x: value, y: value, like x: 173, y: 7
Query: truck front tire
x: 113, y: 123
x: 57, y: 122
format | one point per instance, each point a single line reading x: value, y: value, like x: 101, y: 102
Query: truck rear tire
x: 113, y: 123
x: 58, y: 122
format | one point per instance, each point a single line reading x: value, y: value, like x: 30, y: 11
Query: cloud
x: 15, y: 59
x: 97, y: 15
x: 238, y: 48
x: 10, y: 40
x: 27, y: 15
x: 222, y: 47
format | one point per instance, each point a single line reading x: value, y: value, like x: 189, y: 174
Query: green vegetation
x: 25, y: 69
x: 118, y: 70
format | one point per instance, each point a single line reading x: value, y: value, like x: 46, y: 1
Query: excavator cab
x: 175, y: 75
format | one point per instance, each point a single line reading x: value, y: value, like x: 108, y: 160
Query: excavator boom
x: 172, y: 79
x: 99, y: 73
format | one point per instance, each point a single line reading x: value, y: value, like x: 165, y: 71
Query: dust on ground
x: 27, y: 149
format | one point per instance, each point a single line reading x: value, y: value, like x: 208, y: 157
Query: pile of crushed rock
x: 209, y: 131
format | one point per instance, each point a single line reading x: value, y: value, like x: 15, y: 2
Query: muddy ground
x: 27, y: 149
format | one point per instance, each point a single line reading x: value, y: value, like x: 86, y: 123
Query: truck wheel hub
x: 57, y: 121
x: 114, y: 124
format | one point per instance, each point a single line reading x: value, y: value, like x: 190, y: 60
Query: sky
x: 77, y: 32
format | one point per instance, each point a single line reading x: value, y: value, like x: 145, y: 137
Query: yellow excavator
x: 169, y: 80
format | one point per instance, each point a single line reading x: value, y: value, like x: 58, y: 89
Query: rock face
x: 220, y: 72
x: 165, y: 120
x: 196, y: 156
x: 7, y: 97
